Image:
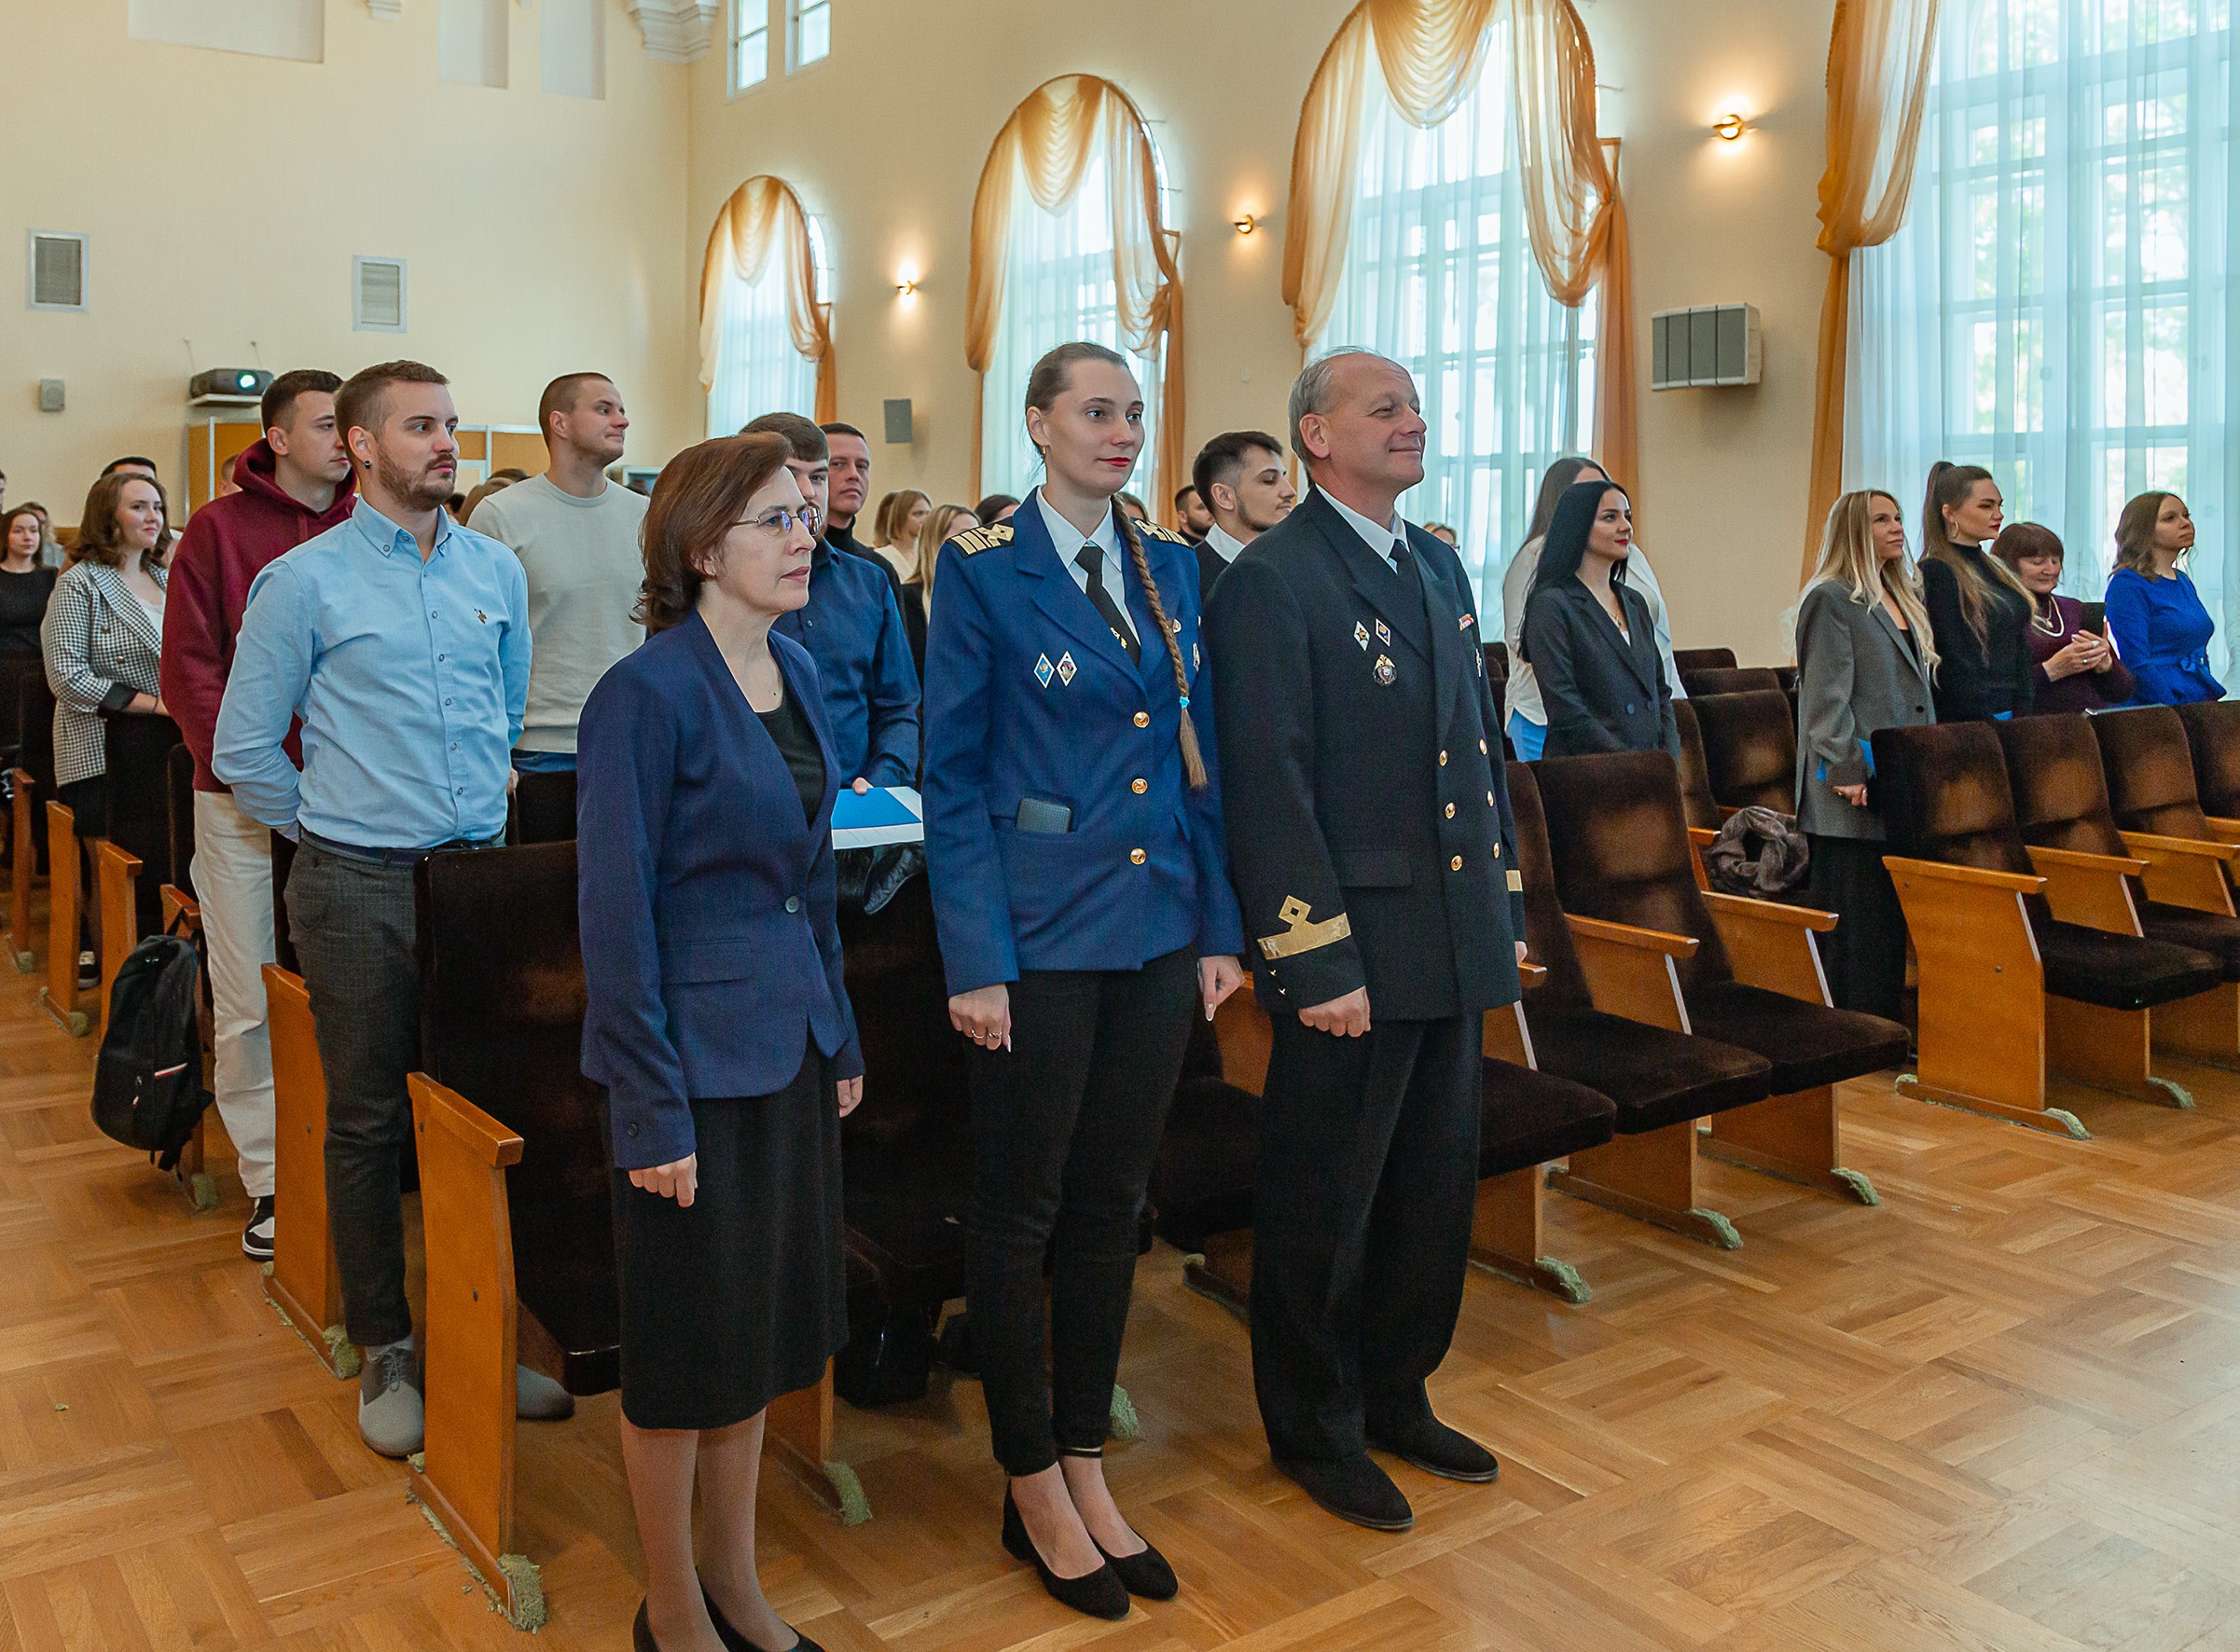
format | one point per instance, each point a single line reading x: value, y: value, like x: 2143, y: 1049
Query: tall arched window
x: 2058, y: 307
x: 1454, y: 207
x: 1070, y: 241
x: 766, y: 320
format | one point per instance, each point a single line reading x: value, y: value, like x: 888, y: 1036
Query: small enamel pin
x: 1066, y: 669
x: 1194, y: 660
x: 1386, y: 671
x: 1045, y: 670
x: 1361, y: 635
x: 1383, y: 636
x: 1467, y: 621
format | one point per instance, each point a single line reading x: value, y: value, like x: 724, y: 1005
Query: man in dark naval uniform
x: 1371, y: 841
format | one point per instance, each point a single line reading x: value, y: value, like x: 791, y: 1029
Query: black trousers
x: 1066, y: 1126
x: 1361, y: 1230
x: 1864, y: 958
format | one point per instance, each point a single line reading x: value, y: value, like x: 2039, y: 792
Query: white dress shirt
x: 1068, y: 540
x: 1223, y: 543
x: 1379, y: 537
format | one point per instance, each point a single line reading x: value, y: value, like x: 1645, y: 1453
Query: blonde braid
x: 1194, y: 765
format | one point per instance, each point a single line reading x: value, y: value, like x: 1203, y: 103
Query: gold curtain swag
x: 1430, y: 53
x: 763, y: 218
x: 1879, y: 57
x: 1048, y: 144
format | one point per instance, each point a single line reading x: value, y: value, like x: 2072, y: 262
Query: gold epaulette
x: 972, y: 541
x: 1153, y: 531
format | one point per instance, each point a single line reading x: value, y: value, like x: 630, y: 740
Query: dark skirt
x: 1864, y: 958
x: 743, y: 1297
x: 87, y: 800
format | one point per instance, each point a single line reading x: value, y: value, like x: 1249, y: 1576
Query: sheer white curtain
x: 1058, y: 286
x: 1439, y: 275
x: 760, y: 369
x: 2057, y: 306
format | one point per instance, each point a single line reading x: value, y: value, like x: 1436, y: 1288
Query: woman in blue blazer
x: 1081, y: 888
x: 716, y: 1020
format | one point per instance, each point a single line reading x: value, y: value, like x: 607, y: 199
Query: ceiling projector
x: 230, y: 381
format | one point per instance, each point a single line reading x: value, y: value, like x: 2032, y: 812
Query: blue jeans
x: 544, y: 763
x: 1530, y: 738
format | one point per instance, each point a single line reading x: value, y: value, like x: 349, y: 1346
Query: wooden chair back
x: 137, y: 749
x: 2059, y: 790
x: 542, y: 809
x: 1730, y: 680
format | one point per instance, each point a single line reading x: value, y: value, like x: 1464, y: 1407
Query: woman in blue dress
x: 2157, y: 619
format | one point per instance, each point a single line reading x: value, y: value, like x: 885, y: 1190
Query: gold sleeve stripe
x: 1516, y: 882
x: 1300, y: 936
x: 975, y: 540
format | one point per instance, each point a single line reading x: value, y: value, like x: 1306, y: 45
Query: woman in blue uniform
x: 1081, y: 887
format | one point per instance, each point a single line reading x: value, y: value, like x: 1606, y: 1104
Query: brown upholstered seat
x: 1730, y: 680
x: 2213, y: 732
x: 1703, y: 659
x: 179, y: 816
x: 2149, y: 767
x: 542, y: 808
x: 1750, y: 743
x: 1696, y: 802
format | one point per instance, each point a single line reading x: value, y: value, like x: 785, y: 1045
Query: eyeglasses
x: 780, y: 521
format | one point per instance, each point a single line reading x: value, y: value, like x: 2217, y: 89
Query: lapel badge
x: 1043, y: 670
x: 1066, y: 668
x: 1175, y: 625
x: 1386, y: 670
x: 1361, y: 635
x: 1465, y: 621
x: 1383, y: 636
x: 1194, y: 660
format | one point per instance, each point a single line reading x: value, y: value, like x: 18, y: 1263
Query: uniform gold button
x: 1143, y: 720
x: 1455, y: 864
x: 1138, y: 787
x: 1450, y: 811
x: 1481, y: 749
x: 1442, y: 759
x: 1137, y: 856
x: 1489, y: 803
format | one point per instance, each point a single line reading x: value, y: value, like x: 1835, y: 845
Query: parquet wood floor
x: 2001, y: 1411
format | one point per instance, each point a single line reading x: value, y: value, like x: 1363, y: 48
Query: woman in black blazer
x: 716, y: 1020
x: 1590, y: 640
x: 1979, y: 609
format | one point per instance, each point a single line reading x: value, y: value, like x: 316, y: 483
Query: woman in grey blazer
x: 1590, y: 638
x: 1865, y: 660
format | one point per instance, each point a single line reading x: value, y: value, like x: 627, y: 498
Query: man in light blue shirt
x: 401, y: 640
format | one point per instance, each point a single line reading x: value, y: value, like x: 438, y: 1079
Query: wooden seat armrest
x: 2090, y: 890
x: 1532, y: 975
x: 1703, y: 837
x: 1595, y: 929
x: 490, y: 1141
x: 2085, y: 860
x: 1768, y: 911
x: 2150, y: 843
x: 1981, y: 877
x: 181, y: 909
x: 2224, y: 831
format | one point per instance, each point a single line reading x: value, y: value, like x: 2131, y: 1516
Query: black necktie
x: 1091, y: 560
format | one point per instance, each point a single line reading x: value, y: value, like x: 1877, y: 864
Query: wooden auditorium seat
x: 2094, y: 873
x: 1750, y: 978
x: 1703, y: 659
x: 304, y: 1283
x: 32, y: 785
x: 1697, y: 803
x: 1749, y: 742
x: 2006, y: 989
x: 2213, y: 733
x: 1610, y: 1031
x: 2149, y: 762
x: 542, y: 808
x: 1731, y: 680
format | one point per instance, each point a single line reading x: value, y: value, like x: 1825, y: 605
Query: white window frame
x: 795, y: 10
x: 737, y: 35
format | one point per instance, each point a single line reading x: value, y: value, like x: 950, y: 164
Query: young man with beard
x: 292, y: 485
x: 1240, y: 477
x: 852, y: 624
x: 576, y: 534
x: 401, y: 639
x: 1190, y: 512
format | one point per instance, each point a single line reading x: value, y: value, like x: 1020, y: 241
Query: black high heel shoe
x: 1097, y: 1594
x: 734, y: 1641
x: 1147, y: 1575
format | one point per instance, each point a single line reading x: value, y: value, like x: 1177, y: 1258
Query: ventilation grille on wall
x: 377, y: 295
x: 54, y: 275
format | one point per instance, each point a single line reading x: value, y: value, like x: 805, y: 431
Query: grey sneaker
x: 537, y: 1399
x: 390, y: 1418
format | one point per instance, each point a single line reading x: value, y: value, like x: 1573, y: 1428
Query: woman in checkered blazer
x: 104, y: 632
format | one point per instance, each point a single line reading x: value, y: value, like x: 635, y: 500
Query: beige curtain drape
x: 1430, y: 53
x: 763, y: 218
x: 1047, y: 144
x: 1879, y: 56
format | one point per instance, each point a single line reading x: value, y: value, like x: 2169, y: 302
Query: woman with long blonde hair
x: 1866, y: 660
x: 942, y: 524
x: 901, y: 515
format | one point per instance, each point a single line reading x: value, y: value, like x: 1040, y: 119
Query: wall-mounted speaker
x: 1708, y: 345
x: 899, y: 433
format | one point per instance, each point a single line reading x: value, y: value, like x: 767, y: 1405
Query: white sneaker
x: 392, y: 1419
x: 537, y: 1399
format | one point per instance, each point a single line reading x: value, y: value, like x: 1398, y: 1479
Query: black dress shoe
x: 1353, y: 1489
x: 1147, y: 1575
x: 642, y: 1633
x: 1431, y: 1446
x: 736, y: 1642
x: 1098, y: 1594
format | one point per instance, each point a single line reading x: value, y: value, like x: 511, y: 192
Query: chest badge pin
x: 1361, y: 635
x: 1045, y: 670
x: 1383, y: 636
x: 1066, y: 668
x: 1386, y: 672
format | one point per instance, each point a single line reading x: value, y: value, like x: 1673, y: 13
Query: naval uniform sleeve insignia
x: 972, y: 541
x: 1300, y: 936
x: 1516, y: 882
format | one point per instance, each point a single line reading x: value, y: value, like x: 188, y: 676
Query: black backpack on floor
x: 147, y: 1083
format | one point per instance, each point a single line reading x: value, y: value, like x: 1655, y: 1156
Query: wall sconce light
x: 1246, y: 225
x: 907, y: 286
x: 1729, y: 127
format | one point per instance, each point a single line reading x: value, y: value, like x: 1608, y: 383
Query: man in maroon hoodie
x: 294, y: 484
